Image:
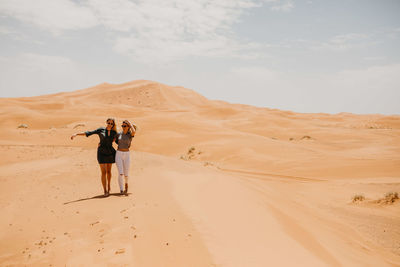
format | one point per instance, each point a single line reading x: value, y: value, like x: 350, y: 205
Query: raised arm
x: 132, y: 127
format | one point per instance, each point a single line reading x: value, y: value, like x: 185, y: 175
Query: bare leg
x: 108, y: 173
x: 103, y: 177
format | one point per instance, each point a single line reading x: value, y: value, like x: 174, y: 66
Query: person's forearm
x: 75, y: 135
x: 133, y: 130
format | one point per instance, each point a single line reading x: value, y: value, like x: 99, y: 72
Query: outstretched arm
x: 75, y: 135
x: 88, y: 133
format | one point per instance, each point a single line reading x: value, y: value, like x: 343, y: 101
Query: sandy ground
x: 211, y: 183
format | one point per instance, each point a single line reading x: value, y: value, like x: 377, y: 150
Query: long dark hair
x: 114, y: 128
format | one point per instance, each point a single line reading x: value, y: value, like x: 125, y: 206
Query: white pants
x: 122, y: 159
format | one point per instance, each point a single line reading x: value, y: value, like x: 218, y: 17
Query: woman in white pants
x: 122, y: 158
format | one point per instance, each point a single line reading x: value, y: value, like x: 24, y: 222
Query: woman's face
x: 125, y: 127
x: 110, y: 124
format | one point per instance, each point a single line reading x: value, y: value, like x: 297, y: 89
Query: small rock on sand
x: 120, y: 251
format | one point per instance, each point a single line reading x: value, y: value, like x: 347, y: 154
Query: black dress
x: 105, y: 151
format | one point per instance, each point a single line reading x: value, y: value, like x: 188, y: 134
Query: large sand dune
x: 212, y: 183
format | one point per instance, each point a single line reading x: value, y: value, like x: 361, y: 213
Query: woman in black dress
x: 105, y: 151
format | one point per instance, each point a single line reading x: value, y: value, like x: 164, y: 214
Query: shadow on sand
x: 98, y: 196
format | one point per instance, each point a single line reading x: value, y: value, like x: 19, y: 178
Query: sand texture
x: 211, y: 183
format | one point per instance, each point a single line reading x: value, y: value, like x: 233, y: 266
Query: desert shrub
x: 358, y: 198
x: 391, y: 197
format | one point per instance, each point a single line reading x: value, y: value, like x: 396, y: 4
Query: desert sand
x: 211, y: 183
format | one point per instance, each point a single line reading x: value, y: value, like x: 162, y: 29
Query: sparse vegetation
x: 390, y: 198
x: 306, y: 137
x: 358, y: 198
x: 190, y: 154
x: 207, y: 163
x: 377, y: 126
x: 23, y: 126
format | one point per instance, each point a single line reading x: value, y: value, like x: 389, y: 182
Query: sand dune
x: 213, y: 183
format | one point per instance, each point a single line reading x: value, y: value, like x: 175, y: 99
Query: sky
x: 306, y: 56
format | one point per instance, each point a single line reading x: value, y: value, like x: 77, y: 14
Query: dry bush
x: 390, y: 198
x: 358, y: 198
x: 191, y: 153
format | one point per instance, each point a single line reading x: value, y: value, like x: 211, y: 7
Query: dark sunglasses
x: 110, y: 123
x: 123, y: 126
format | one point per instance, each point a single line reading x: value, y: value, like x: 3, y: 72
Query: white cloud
x: 393, y: 33
x: 373, y: 89
x: 51, y: 15
x: 148, y: 31
x: 343, y: 42
x: 370, y: 79
x: 160, y: 31
x: 38, y: 63
x: 14, y: 34
x: 30, y: 73
x: 346, y: 41
x: 257, y: 73
x: 374, y: 58
x: 284, y: 7
x: 6, y: 30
